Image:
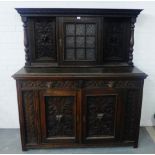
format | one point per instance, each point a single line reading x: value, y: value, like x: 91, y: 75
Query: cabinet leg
x: 24, y: 149
x: 135, y: 145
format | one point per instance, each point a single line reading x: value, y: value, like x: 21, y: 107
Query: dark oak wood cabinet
x: 79, y: 86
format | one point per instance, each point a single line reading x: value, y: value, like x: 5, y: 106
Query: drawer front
x: 80, y: 83
x: 79, y: 111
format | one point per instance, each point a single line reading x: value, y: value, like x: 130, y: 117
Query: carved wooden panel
x: 60, y: 116
x: 131, y: 114
x: 29, y: 117
x: 116, y: 36
x: 100, y: 117
x: 45, y: 39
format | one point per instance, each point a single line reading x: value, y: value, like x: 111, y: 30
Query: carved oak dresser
x: 79, y: 86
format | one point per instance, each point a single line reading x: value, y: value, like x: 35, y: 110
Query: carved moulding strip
x: 81, y: 84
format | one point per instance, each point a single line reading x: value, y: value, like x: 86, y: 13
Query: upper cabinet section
x: 78, y: 37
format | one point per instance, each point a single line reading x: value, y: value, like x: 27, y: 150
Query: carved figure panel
x: 29, y: 117
x: 100, y: 115
x: 60, y: 116
x: 45, y: 44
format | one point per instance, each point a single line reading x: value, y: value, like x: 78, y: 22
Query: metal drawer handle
x: 48, y: 84
x: 58, y: 117
x: 100, y: 116
x: 110, y: 84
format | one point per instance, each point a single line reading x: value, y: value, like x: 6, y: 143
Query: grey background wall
x: 12, y: 55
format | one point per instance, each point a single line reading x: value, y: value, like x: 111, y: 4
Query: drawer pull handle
x: 48, y: 84
x: 110, y: 84
x: 58, y: 117
x: 100, y: 116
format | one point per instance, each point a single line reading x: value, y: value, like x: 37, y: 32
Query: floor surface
x: 10, y: 143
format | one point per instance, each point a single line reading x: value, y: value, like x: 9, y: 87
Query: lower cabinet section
x: 79, y: 113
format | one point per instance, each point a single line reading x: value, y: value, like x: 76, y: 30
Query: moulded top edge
x: 70, y: 11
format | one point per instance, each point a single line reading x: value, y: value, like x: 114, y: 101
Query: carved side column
x: 26, y: 42
x: 132, y: 26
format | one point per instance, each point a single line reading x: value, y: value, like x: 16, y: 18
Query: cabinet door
x: 79, y: 40
x: 58, y: 116
x: 101, y: 115
x: 42, y: 40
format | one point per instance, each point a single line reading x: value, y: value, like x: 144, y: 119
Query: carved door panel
x: 42, y: 32
x: 101, y: 115
x: 59, y: 116
x: 116, y: 38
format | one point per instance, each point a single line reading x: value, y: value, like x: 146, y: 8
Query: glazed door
x: 102, y: 120
x: 79, y: 40
x: 59, y: 116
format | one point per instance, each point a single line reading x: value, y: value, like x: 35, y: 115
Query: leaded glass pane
x: 80, y: 29
x: 70, y: 29
x: 90, y: 54
x: 80, y: 54
x: 80, y: 41
x: 90, y: 42
x: 70, y: 42
x: 90, y: 29
x: 70, y: 54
